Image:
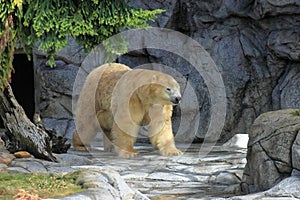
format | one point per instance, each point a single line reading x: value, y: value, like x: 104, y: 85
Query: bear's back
x: 110, y: 75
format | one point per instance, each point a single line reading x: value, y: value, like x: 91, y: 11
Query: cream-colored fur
x: 117, y: 100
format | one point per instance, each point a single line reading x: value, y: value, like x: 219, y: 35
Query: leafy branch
x: 48, y: 24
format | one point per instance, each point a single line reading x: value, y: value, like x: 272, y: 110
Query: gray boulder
x: 272, y: 149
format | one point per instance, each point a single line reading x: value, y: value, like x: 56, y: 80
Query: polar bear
x: 118, y: 100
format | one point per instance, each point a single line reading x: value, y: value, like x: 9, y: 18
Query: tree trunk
x: 21, y: 132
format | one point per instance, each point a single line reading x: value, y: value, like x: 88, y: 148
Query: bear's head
x: 162, y: 89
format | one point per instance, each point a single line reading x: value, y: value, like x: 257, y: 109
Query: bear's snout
x: 175, y: 100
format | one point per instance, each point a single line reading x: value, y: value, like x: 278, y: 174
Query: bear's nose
x: 176, y: 100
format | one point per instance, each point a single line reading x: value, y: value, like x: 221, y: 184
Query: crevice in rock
x: 273, y: 159
x: 274, y: 133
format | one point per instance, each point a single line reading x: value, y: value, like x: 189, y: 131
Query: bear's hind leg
x: 78, y: 144
x: 107, y: 141
x: 123, y: 143
x: 84, y: 135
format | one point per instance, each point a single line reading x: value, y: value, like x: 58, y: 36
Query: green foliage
x: 48, y: 24
x: 44, y: 185
x: 296, y: 113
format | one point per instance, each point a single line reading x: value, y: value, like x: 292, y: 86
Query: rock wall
x: 54, y: 88
x: 255, y: 44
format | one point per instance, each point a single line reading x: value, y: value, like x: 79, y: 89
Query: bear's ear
x: 154, y: 79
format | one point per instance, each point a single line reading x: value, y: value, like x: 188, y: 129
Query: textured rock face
x: 54, y: 88
x: 273, y: 149
x: 255, y: 44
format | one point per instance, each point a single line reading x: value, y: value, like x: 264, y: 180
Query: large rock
x: 272, y: 149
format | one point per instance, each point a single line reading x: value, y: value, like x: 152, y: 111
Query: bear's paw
x: 170, y: 151
x: 82, y: 148
x: 127, y: 154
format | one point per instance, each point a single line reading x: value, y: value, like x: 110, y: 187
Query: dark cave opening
x: 23, y: 83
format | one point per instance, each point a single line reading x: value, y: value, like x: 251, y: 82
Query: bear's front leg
x: 160, y: 131
x: 164, y: 141
x: 123, y: 142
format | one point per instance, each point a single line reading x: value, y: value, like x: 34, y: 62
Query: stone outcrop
x: 273, y: 149
x: 255, y: 45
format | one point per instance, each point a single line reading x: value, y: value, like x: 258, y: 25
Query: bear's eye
x: 168, y: 89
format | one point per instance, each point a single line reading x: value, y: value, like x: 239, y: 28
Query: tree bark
x: 21, y: 132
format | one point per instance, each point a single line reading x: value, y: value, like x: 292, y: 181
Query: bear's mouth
x: 175, y: 100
